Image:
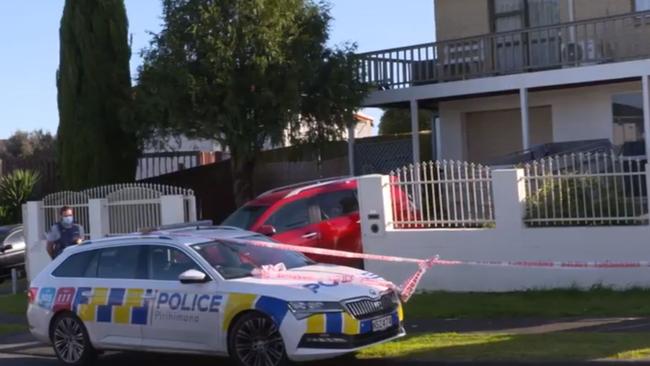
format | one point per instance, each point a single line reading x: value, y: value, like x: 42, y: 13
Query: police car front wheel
x: 256, y: 340
x: 70, y: 341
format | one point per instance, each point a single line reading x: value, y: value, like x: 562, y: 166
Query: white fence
x: 512, y: 238
x: 442, y: 194
x: 586, y: 189
x: 104, y: 211
x: 129, y: 207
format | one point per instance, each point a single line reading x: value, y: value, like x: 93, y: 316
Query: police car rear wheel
x: 255, y: 340
x: 70, y: 341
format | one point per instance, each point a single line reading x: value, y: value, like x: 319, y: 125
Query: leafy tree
x: 27, y: 145
x: 398, y: 120
x: 245, y: 73
x: 95, y: 143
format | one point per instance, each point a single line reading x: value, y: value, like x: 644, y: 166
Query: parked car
x: 192, y: 290
x: 12, y: 250
x: 323, y: 214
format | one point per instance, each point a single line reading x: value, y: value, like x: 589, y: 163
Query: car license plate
x: 382, y: 323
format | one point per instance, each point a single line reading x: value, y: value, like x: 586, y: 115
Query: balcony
x: 581, y: 43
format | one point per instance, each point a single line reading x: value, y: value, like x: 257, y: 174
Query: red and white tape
x: 409, y: 286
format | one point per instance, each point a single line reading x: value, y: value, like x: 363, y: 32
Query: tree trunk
x: 242, y: 178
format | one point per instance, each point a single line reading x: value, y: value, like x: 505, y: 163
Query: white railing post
x: 171, y: 210
x: 647, y: 190
x: 509, y: 190
x: 191, y: 206
x: 36, y: 257
x: 98, y: 221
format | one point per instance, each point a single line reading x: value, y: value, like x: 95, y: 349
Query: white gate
x: 131, y: 206
x: 78, y: 201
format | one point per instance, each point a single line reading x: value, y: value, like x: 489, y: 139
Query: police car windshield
x: 236, y: 260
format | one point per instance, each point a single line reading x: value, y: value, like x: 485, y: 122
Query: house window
x: 510, y: 15
x: 641, y: 5
x: 628, y: 123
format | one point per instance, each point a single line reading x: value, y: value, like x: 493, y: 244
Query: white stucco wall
x: 510, y: 240
x: 578, y: 113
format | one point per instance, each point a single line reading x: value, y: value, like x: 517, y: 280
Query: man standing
x: 64, y: 233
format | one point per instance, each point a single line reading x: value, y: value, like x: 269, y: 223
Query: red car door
x: 339, y: 226
x: 294, y: 223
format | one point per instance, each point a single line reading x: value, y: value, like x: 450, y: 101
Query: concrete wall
x: 461, y: 18
x: 509, y: 241
x: 577, y: 114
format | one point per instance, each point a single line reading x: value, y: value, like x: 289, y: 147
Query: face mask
x: 67, y: 220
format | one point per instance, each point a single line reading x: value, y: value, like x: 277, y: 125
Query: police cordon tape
x: 408, y: 287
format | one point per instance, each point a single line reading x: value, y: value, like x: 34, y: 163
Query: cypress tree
x: 96, y: 143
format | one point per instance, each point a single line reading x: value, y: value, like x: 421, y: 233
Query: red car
x: 322, y: 214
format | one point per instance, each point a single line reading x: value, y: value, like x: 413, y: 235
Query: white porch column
x: 192, y: 208
x: 438, y: 139
x: 646, y: 113
x: 525, y: 122
x: 98, y: 218
x: 415, y: 135
x: 351, y: 136
x: 171, y: 210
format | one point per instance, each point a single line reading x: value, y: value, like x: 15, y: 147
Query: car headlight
x: 303, y: 309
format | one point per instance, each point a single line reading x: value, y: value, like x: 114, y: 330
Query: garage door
x: 492, y: 134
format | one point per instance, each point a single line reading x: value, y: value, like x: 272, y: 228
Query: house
x: 505, y: 76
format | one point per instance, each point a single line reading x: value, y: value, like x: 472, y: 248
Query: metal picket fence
x: 586, y: 189
x: 442, y: 194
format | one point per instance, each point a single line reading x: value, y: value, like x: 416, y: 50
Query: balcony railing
x: 588, y: 42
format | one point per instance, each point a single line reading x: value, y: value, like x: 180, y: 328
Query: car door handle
x: 310, y: 235
x: 149, y: 297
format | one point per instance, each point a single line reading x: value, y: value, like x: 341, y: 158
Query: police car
x: 192, y: 290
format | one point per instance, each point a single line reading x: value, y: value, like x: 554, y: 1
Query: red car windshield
x: 245, y: 216
x: 236, y: 259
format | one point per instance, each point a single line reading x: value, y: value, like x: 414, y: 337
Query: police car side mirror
x: 193, y: 276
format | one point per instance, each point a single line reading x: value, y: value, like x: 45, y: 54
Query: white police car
x: 191, y: 291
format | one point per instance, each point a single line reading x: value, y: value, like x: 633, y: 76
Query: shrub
x: 15, y: 189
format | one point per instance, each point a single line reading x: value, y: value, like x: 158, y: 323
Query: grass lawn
x: 508, y: 347
x: 597, y: 302
x: 13, y: 304
x: 12, y: 328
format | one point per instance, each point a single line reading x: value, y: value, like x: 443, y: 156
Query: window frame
x: 351, y: 192
x: 188, y: 253
x: 312, y: 212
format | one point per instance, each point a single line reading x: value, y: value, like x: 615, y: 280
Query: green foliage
x: 28, y: 145
x: 95, y: 142
x: 246, y: 73
x: 588, y: 197
x: 15, y: 189
x: 398, y: 120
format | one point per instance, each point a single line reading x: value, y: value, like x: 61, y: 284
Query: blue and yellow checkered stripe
x: 114, y: 305
x: 275, y: 308
x: 344, y: 323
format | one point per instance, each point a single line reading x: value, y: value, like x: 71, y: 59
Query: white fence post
x: 172, y: 210
x: 36, y: 257
x: 647, y: 190
x: 509, y: 198
x: 375, y: 204
x: 191, y: 206
x: 98, y: 219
